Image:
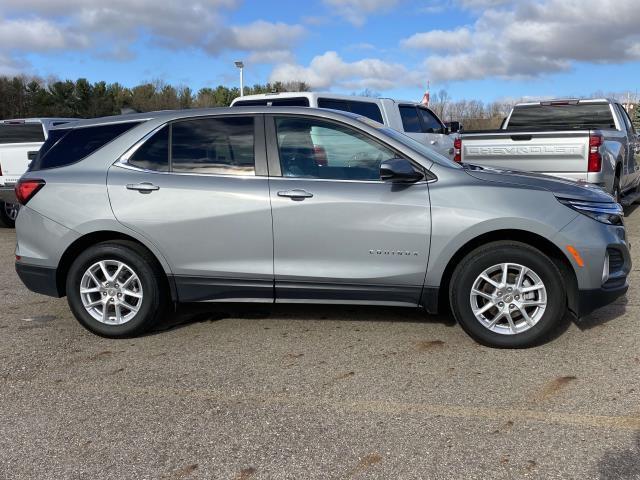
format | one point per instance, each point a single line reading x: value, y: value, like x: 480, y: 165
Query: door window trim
x: 273, y: 151
x: 261, y: 168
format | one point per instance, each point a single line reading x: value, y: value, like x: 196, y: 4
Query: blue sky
x: 475, y: 49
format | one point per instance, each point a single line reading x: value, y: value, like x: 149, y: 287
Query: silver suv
x: 129, y: 215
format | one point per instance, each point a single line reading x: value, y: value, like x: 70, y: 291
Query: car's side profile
x: 128, y: 215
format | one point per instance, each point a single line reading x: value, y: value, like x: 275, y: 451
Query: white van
x: 411, y: 118
x: 20, y: 140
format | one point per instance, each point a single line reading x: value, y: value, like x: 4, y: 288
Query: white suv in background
x: 412, y: 118
x: 20, y: 140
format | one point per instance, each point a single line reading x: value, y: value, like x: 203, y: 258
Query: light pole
x: 240, y: 65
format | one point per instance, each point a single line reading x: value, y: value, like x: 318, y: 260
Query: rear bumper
x: 8, y: 194
x: 590, y: 300
x: 39, y: 279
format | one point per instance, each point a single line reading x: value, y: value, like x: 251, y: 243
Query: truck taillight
x: 457, y: 150
x: 595, y: 159
x: 27, y: 188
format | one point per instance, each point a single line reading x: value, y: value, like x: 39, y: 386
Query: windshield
x: 420, y: 148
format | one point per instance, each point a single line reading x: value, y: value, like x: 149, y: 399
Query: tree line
x: 23, y: 97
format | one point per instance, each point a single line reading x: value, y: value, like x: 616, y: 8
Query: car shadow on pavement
x: 621, y: 464
x: 603, y: 315
x: 191, y: 313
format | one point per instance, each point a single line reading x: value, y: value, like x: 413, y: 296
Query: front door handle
x: 144, y: 187
x: 433, y: 142
x: 295, y: 194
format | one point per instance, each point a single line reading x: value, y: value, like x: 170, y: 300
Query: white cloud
x: 447, y: 40
x: 330, y: 70
x: 529, y: 38
x: 110, y: 28
x: 356, y: 11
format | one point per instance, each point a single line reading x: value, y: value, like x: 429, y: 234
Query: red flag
x: 426, y: 96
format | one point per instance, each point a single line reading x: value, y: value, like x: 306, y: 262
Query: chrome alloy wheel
x: 111, y: 292
x: 11, y: 210
x: 508, y: 298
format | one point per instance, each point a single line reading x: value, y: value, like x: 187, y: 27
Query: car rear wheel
x: 508, y: 295
x: 9, y: 213
x: 116, y: 289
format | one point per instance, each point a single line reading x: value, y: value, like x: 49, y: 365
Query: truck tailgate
x: 14, y: 160
x: 554, y: 152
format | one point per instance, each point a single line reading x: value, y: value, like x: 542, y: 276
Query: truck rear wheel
x: 508, y: 294
x: 9, y: 213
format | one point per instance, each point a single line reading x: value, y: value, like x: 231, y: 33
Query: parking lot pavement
x: 313, y: 392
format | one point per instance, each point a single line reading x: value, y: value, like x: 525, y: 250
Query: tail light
x: 595, y: 159
x: 320, y: 155
x: 457, y: 150
x: 27, y: 188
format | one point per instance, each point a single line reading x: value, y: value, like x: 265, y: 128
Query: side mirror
x: 399, y: 170
x: 453, y: 127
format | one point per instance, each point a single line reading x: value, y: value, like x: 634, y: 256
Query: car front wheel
x: 116, y: 289
x: 508, y: 295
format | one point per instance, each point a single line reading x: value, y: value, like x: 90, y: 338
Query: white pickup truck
x: 590, y: 141
x: 20, y: 140
x: 412, y: 118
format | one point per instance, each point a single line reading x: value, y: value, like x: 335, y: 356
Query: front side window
x: 430, y: 124
x: 213, y: 146
x: 312, y: 148
x: 410, y: 119
x: 367, y: 109
x: 154, y: 153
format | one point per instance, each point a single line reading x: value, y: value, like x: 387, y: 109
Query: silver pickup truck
x: 591, y: 141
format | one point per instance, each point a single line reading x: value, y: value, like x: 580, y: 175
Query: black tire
x: 5, y: 215
x: 483, y: 258
x: 617, y: 194
x: 155, y: 298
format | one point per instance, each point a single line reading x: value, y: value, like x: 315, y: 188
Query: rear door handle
x: 295, y: 194
x: 143, y: 187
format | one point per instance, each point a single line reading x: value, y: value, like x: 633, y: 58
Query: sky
x: 474, y: 49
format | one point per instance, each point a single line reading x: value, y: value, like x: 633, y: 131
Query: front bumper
x: 8, y: 193
x: 39, y: 279
x: 590, y: 300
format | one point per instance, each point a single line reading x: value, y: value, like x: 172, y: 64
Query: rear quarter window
x: 70, y: 145
x: 21, y: 133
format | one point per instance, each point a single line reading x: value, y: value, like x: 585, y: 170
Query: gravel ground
x: 295, y: 392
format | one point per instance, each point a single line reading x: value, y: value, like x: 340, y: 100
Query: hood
x: 558, y: 186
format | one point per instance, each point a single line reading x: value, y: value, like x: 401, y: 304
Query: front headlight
x: 609, y: 213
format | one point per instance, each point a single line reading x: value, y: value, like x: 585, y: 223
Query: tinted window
x: 281, y: 102
x: 213, y: 146
x: 21, y: 133
x: 69, y: 145
x: 334, y: 104
x: 154, y: 153
x: 410, y: 119
x: 367, y: 109
x: 430, y: 124
x: 561, y: 117
x: 316, y: 149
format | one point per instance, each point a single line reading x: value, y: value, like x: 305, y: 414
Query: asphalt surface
x: 309, y: 392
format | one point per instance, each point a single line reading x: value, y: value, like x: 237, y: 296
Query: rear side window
x: 562, y: 117
x: 70, y: 145
x: 366, y: 109
x: 276, y: 102
x: 213, y: 146
x: 154, y: 153
x: 21, y: 133
x: 410, y: 119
